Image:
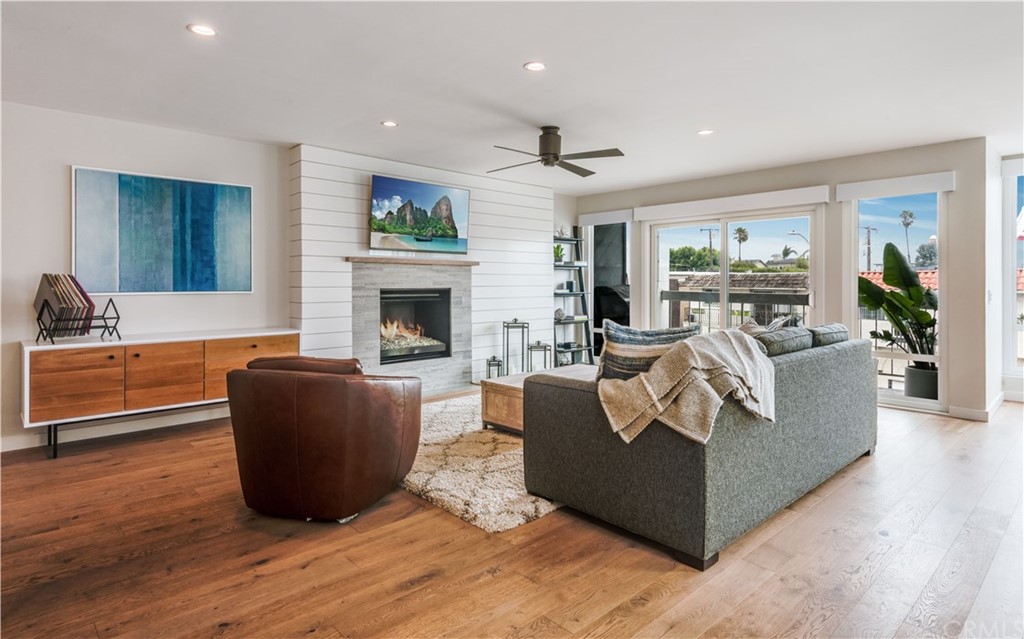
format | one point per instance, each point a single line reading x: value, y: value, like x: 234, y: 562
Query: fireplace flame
x: 397, y: 328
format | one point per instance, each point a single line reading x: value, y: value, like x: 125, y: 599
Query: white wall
x: 564, y: 212
x: 975, y: 338
x: 39, y: 147
x: 510, y: 230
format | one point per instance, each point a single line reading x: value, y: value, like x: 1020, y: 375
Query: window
x: 908, y: 215
x: 1013, y: 276
x: 1016, y: 276
x: 909, y: 223
x: 769, y: 275
x: 767, y: 259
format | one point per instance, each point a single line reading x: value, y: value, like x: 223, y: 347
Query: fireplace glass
x: 415, y: 324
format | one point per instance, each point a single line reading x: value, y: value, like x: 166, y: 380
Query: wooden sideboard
x: 87, y: 379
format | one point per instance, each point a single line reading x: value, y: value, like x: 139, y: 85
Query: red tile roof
x: 929, y: 278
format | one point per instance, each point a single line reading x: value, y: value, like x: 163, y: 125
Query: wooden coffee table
x: 501, y: 398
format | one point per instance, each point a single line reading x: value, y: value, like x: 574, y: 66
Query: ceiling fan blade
x: 603, y: 153
x: 516, y: 150
x: 578, y: 170
x: 513, y: 166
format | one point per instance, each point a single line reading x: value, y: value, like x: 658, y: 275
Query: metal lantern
x: 510, y: 330
x: 494, y: 364
x: 539, y: 347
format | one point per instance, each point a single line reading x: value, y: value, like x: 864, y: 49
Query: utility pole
x: 711, y: 255
x: 869, y: 229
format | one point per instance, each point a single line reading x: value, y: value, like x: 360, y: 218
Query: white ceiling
x: 780, y: 83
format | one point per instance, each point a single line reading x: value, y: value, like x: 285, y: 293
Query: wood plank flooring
x: 146, y: 535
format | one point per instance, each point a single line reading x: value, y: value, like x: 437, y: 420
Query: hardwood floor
x: 146, y: 535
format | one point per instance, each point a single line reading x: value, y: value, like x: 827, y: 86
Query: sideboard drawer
x: 223, y: 355
x: 163, y: 374
x: 76, y: 382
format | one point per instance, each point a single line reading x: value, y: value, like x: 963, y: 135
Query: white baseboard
x: 976, y: 415
x: 1013, y: 388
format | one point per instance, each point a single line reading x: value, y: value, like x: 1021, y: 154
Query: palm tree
x: 906, y: 219
x: 787, y: 250
x: 741, y: 236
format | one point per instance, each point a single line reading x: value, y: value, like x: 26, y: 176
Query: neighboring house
x: 929, y: 278
x: 780, y: 263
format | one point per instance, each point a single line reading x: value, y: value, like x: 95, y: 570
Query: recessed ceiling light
x: 705, y: 132
x: 202, y: 30
x: 535, y: 66
x: 389, y: 123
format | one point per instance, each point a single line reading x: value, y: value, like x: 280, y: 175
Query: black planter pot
x: 921, y: 382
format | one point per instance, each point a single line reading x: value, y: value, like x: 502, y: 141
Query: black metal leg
x: 51, y: 439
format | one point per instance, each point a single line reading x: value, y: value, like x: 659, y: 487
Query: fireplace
x: 415, y: 324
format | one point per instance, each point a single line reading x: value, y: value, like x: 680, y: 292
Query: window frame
x: 650, y: 302
x: 941, y: 184
x: 1013, y: 374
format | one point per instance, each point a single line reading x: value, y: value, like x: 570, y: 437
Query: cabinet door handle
x: 136, y: 355
x: 111, y: 356
x: 255, y: 345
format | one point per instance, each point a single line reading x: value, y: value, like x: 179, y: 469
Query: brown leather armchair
x: 317, y: 439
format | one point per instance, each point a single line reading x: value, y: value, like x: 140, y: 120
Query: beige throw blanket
x: 685, y: 386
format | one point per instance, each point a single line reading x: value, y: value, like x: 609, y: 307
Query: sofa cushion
x: 629, y: 351
x: 786, y: 340
x: 829, y: 334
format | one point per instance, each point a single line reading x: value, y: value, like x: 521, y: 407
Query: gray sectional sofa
x: 693, y: 498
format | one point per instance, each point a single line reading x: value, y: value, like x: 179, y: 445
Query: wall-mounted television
x: 417, y: 216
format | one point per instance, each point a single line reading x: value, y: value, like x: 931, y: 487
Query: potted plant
x: 559, y: 253
x: 910, y: 309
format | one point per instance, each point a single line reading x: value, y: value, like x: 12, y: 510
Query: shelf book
x: 64, y: 309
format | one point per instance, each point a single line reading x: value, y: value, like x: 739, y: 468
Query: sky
x: 884, y: 214
x: 766, y: 237
x: 390, y: 193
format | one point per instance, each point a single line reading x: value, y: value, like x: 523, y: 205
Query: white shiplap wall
x: 510, y: 229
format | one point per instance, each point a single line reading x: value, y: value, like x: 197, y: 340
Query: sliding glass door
x: 908, y: 365
x: 769, y: 274
x: 767, y: 260
x: 687, y: 270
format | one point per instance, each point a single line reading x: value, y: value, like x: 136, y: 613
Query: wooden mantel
x: 413, y: 261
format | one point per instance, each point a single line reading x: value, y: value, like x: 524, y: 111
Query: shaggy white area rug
x: 472, y: 472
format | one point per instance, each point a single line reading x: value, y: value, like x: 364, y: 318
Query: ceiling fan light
x: 535, y: 65
x: 204, y: 30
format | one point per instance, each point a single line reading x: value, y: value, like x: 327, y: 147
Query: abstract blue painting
x: 144, y: 234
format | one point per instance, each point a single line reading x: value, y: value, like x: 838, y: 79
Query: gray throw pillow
x: 829, y: 334
x: 629, y: 351
x: 786, y: 340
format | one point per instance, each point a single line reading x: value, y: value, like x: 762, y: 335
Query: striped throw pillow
x: 629, y: 351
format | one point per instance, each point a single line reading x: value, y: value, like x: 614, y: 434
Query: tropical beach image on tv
x: 416, y: 216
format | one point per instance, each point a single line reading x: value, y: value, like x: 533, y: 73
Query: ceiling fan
x: 550, y: 153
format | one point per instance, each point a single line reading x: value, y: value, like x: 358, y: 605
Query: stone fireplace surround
x: 371, y: 274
